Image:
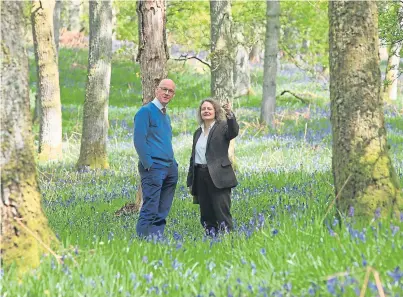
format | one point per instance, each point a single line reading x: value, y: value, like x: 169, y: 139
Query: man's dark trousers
x: 158, y: 188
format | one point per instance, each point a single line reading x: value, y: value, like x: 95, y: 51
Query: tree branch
x: 296, y: 96
x: 184, y: 57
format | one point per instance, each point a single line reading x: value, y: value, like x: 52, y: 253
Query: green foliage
x: 389, y: 29
x: 304, y: 38
x: 127, y: 21
x: 188, y: 24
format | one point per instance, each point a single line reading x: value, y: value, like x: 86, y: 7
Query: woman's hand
x: 228, y: 108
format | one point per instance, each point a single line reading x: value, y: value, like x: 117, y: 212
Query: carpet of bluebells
x: 283, y: 244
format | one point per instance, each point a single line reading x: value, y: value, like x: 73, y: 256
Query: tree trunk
x: 93, y: 152
x: 392, y: 72
x: 268, y: 107
x: 153, y: 56
x: 56, y: 23
x: 114, y: 21
x: 153, y: 49
x: 241, y: 69
x: 20, y: 198
x: 361, y: 164
x: 222, y: 51
x: 254, y: 55
x: 392, y: 69
x: 50, y: 134
x: 74, y: 15
x: 222, y: 56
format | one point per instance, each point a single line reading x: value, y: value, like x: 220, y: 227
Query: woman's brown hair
x: 219, y: 112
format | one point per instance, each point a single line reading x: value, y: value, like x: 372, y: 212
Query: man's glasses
x: 167, y: 91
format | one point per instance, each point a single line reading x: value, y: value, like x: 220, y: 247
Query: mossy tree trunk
x: 222, y: 56
x: 93, y: 152
x: 20, y: 197
x: 50, y: 131
x: 268, y: 106
x: 361, y: 162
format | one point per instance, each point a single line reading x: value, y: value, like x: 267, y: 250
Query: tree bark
x: 268, y: 107
x: 241, y: 68
x: 93, y: 152
x: 152, y: 56
x: 222, y: 51
x: 222, y: 56
x: 56, y: 23
x: 392, y: 69
x: 153, y: 49
x: 50, y: 134
x: 74, y: 15
x: 20, y: 197
x: 361, y: 163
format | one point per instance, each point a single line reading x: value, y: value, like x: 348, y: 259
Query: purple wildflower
x: 351, y: 211
x: 396, y: 274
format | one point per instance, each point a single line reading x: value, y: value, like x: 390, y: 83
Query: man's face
x: 165, y: 91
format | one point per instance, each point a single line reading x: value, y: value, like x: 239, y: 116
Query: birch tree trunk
x: 268, y: 107
x: 392, y: 69
x: 222, y: 56
x: 93, y: 152
x: 56, y: 23
x: 74, y: 15
x: 241, y: 68
x: 222, y: 51
x: 20, y: 197
x: 361, y: 163
x: 50, y: 134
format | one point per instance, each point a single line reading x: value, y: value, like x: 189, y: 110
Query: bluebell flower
x: 331, y: 285
x: 377, y: 213
x: 132, y: 276
x: 364, y: 261
x: 287, y: 287
x: 351, y: 211
x: 148, y: 277
x: 396, y: 274
x: 394, y: 229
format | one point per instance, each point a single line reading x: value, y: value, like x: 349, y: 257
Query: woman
x: 211, y: 176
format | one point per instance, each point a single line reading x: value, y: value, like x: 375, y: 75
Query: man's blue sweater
x: 152, y: 136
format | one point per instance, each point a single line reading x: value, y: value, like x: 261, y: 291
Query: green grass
x: 283, y: 244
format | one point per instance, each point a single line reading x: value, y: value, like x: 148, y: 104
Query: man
x: 157, y: 166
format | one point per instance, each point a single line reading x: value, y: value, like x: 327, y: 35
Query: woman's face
x: 207, y: 111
